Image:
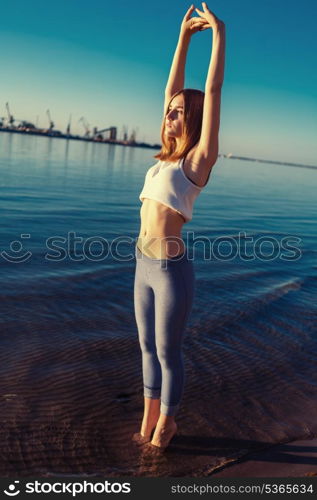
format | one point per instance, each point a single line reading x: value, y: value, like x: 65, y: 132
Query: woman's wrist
x: 219, y: 27
x: 184, y: 36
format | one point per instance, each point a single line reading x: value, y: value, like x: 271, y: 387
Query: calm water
x: 71, y: 380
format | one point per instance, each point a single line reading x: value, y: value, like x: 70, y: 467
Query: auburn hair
x: 193, y: 114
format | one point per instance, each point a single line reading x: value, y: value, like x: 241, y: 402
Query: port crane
x: 10, y: 117
x: 85, y: 124
x: 133, y: 135
x: 50, y: 120
x: 69, y: 124
x: 21, y: 123
x: 125, y: 133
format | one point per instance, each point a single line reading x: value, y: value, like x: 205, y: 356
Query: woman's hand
x: 209, y: 17
x: 191, y: 25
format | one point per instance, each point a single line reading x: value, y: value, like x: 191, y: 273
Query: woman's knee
x: 147, y: 346
x: 169, y: 355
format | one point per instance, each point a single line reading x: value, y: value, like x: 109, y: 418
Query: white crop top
x: 167, y: 183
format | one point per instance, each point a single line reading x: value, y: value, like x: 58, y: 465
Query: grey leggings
x: 163, y: 297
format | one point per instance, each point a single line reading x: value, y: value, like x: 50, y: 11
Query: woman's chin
x: 170, y: 133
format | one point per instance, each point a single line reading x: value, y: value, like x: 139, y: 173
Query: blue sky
x: 109, y: 61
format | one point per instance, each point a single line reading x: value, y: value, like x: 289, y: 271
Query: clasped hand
x: 206, y: 19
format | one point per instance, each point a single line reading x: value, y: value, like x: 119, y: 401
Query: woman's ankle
x: 148, y: 424
x: 166, y: 420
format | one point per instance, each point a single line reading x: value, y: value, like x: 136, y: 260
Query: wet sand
x: 70, y: 406
x: 71, y: 395
x: 294, y: 459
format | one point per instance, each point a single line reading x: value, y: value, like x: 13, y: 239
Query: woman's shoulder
x: 196, y: 168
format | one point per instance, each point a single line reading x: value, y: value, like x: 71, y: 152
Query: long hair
x: 193, y: 113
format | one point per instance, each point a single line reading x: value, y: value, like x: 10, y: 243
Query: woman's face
x: 174, y: 119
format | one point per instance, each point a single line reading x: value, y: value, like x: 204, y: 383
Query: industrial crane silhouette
x: 50, y: 120
x: 133, y: 135
x: 10, y: 117
x: 85, y: 124
x: 21, y: 123
x: 69, y: 124
x: 125, y: 133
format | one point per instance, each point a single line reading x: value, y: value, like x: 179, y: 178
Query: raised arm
x: 189, y: 26
x: 207, y: 148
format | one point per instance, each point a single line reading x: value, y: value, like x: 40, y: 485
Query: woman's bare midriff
x: 160, y: 232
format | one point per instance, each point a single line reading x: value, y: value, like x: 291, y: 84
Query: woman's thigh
x: 144, y: 308
x: 173, y: 291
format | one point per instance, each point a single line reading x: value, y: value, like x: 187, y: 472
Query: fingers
x: 199, y: 12
x: 206, y: 12
x: 188, y: 13
x: 200, y: 26
x: 197, y: 22
x: 205, y: 27
x: 205, y: 7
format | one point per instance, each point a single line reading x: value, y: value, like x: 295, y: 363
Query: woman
x: 164, y: 277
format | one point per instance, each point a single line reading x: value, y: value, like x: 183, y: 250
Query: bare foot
x: 163, y: 434
x: 139, y: 439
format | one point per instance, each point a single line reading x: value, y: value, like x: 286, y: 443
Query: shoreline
x: 293, y: 459
x: 54, y: 135
x: 134, y: 144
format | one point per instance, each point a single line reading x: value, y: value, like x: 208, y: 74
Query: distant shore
x: 134, y: 144
x: 59, y: 135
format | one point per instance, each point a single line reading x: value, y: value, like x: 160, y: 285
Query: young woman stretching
x: 164, y: 276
